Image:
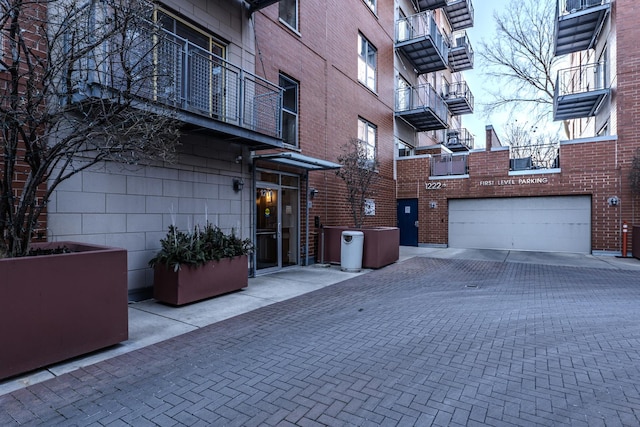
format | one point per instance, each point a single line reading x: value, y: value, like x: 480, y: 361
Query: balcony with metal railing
x: 580, y: 91
x: 422, y: 108
x: 578, y: 23
x: 534, y: 157
x: 458, y: 140
x: 203, y: 90
x: 460, y: 52
x: 459, y: 13
x: 449, y: 164
x: 458, y: 98
x: 422, y: 43
x: 431, y: 4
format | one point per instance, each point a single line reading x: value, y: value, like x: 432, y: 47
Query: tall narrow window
x: 288, y: 13
x: 367, y: 136
x: 199, y: 82
x: 403, y: 27
x: 367, y: 58
x: 371, y: 4
x: 403, y: 97
x: 289, y: 110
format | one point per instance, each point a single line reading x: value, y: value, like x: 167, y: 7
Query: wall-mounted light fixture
x: 613, y: 201
x: 238, y: 183
x: 313, y: 192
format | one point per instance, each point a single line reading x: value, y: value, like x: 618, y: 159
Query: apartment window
x: 288, y: 13
x: 367, y: 133
x: 604, y: 130
x: 404, y: 149
x: 371, y: 4
x: 289, y: 110
x: 367, y: 56
x: 403, y: 27
x: 403, y: 100
x: 189, y: 32
x: 200, y: 83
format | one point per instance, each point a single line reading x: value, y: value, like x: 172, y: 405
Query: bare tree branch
x: 359, y: 172
x: 521, y: 57
x: 77, y: 87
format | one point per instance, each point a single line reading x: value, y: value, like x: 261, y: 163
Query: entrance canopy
x: 298, y: 160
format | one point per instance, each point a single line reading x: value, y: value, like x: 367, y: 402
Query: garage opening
x: 544, y: 224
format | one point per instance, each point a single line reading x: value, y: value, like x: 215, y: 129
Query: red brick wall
x: 626, y: 14
x: 322, y: 56
x: 31, y: 17
x: 586, y: 169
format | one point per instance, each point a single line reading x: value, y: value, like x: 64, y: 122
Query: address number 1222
x: 433, y: 185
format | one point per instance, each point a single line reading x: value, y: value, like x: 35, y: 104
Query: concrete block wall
x: 132, y: 206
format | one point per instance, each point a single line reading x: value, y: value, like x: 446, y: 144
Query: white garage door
x: 546, y: 224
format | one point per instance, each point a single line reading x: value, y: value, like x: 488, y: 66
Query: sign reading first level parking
x: 514, y: 181
x: 438, y: 185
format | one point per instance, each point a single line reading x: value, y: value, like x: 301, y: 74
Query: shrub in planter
x: 199, y: 264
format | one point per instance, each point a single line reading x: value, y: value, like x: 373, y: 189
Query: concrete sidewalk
x: 151, y: 322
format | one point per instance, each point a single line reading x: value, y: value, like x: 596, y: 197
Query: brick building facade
x: 388, y: 73
x: 596, y: 96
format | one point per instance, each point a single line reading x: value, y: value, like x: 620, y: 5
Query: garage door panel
x: 557, y: 224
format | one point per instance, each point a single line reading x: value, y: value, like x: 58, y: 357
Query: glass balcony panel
x: 449, y: 164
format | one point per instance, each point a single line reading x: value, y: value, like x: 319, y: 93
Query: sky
x: 483, y: 29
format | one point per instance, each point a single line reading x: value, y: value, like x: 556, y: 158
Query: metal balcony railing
x: 566, y: 7
x: 460, y: 53
x: 580, y: 91
x: 419, y: 38
x: 459, y: 98
x: 422, y: 107
x: 582, y: 78
x: 190, y: 78
x: 458, y: 139
x: 578, y: 24
x: 449, y: 164
x: 534, y: 157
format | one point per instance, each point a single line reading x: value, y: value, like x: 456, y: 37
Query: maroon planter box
x: 381, y: 245
x: 190, y: 284
x: 55, y: 307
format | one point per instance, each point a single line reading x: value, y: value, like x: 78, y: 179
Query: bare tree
x: 527, y: 142
x: 521, y: 57
x: 359, y: 172
x: 78, y: 86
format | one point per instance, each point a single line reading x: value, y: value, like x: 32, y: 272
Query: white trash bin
x: 351, y: 251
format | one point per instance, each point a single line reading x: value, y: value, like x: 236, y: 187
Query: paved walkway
x: 498, y: 338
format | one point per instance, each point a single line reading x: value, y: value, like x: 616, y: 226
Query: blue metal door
x: 408, y: 221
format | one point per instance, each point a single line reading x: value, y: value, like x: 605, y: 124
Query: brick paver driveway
x: 424, y: 342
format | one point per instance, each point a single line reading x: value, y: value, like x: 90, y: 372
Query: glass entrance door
x: 277, y: 221
x: 268, y: 233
